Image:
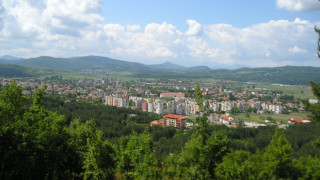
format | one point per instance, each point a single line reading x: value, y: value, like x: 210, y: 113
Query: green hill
x: 86, y: 63
x: 11, y: 70
x: 283, y: 75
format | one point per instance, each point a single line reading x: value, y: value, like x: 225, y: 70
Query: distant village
x: 166, y: 97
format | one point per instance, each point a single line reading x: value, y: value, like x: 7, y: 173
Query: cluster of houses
x: 178, y: 121
x: 170, y: 120
x: 135, y: 95
x: 179, y: 104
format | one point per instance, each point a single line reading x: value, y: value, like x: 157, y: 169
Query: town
x: 174, y: 97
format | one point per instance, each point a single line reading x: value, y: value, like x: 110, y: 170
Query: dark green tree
x: 201, y: 153
x: 314, y: 108
x: 95, y: 155
x: 277, y: 158
x: 135, y: 157
x: 239, y: 165
x: 33, y: 141
x: 235, y: 110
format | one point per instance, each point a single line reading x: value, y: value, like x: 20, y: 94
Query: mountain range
x: 284, y: 75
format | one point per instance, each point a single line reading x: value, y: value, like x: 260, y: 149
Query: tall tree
x: 277, y: 159
x: 38, y: 147
x: 201, y: 153
x: 94, y: 154
x: 239, y: 165
x: 135, y: 158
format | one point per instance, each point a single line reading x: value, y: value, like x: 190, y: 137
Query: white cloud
x: 261, y: 43
x: 296, y: 49
x: 194, y: 28
x: 73, y: 28
x: 133, y: 28
x: 299, y: 5
x: 2, y: 11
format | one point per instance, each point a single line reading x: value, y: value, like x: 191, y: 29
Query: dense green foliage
x: 36, y: 144
x: 113, y: 121
x: 292, y: 75
x: 11, y: 70
x: 314, y: 108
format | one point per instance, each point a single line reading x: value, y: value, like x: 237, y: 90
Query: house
x: 213, y: 117
x: 171, y: 95
x: 298, y: 121
x: 174, y: 120
x: 225, y: 119
x: 237, y: 122
x: 156, y: 123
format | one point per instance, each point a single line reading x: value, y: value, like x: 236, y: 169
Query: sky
x: 229, y: 33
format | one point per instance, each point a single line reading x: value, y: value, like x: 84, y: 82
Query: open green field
x: 260, y: 118
x: 296, y: 91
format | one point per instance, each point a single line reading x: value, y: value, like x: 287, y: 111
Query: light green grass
x: 260, y: 118
x: 296, y: 91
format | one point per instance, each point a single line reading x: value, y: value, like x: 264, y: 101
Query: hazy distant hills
x: 12, y: 70
x: 85, y: 63
x: 283, y: 75
x: 167, y: 66
x: 10, y: 59
x: 98, y: 64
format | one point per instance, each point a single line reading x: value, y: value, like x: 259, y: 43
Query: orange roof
x: 157, y: 122
x: 174, y: 116
x: 222, y: 116
x: 214, y: 114
x: 171, y: 93
x: 297, y: 120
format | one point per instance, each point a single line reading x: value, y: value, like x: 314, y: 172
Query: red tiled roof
x: 157, y: 122
x: 297, y: 120
x: 214, y: 114
x: 222, y: 116
x: 174, y: 116
x: 170, y: 93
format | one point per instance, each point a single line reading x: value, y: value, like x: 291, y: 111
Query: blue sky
x: 264, y: 33
x: 238, y: 13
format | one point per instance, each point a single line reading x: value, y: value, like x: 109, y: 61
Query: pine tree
x: 277, y: 159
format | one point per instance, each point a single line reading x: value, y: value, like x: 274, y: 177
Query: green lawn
x: 296, y: 91
x: 260, y: 118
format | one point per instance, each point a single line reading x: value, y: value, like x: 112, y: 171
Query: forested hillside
x: 11, y: 70
x: 300, y: 75
x: 50, y: 138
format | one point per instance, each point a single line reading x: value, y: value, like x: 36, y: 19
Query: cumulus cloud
x: 299, y: 5
x: 133, y: 27
x: 296, y: 49
x: 194, y: 28
x: 73, y: 28
x: 261, y: 43
x: 2, y: 11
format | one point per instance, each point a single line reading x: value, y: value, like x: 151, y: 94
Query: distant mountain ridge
x: 10, y: 59
x: 84, y: 63
x: 167, y: 66
x: 97, y: 64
